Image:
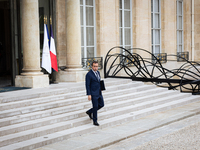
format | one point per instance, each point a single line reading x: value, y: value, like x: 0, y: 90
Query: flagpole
x: 50, y: 21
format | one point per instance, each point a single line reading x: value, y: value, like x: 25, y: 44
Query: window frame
x: 153, y: 29
x: 84, y: 26
x: 123, y: 25
x: 178, y: 30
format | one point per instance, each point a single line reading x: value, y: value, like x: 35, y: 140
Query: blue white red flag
x: 46, y: 60
x: 53, y: 53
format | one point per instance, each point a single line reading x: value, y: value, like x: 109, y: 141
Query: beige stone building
x: 86, y: 29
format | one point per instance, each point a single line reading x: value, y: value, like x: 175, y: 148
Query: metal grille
x: 182, y: 56
x: 87, y: 62
x: 162, y: 57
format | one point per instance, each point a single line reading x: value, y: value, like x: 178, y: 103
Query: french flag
x: 46, y: 60
x: 53, y: 53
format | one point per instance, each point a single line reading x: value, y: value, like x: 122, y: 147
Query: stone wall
x: 197, y: 30
x: 107, y: 27
x: 61, y: 32
x: 168, y: 26
x: 187, y: 19
x: 142, y: 24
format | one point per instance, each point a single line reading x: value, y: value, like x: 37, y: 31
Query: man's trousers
x: 97, y: 103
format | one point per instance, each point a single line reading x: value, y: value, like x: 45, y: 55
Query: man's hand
x: 89, y: 97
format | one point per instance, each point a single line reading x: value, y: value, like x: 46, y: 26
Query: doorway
x: 5, y: 44
x: 10, y: 42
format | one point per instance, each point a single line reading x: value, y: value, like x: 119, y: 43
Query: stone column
x: 31, y: 76
x: 74, y: 71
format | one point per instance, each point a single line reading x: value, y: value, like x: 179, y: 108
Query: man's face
x: 95, y: 66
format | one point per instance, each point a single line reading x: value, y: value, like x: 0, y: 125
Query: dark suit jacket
x: 92, y: 84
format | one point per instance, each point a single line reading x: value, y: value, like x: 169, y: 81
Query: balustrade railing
x: 87, y: 62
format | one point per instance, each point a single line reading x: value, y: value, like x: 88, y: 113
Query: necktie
x: 97, y: 76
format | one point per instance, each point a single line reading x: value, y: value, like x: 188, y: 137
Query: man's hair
x: 94, y: 62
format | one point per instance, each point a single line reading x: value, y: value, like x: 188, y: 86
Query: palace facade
x: 86, y: 29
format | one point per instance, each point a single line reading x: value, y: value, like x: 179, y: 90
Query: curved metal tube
x: 143, y: 69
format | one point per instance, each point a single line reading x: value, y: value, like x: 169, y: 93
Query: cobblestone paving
x: 187, y: 138
x: 176, y: 136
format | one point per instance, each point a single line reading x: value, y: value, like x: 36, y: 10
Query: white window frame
x: 85, y: 46
x: 123, y: 25
x: 153, y: 29
x: 178, y: 30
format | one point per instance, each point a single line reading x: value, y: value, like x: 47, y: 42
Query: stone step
x: 30, y: 94
x: 81, y: 113
x: 76, y: 131
x: 69, y: 116
x: 48, y: 129
x: 147, y: 111
x: 33, y: 116
x: 18, y: 114
x: 130, y: 135
x: 56, y: 104
x: 11, y: 120
x: 42, y: 100
x: 52, y: 90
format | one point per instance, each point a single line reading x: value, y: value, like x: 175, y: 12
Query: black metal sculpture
x: 122, y: 63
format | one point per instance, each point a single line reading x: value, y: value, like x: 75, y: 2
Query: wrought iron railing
x: 127, y: 61
x: 162, y: 57
x: 186, y: 77
x: 182, y: 56
x: 87, y: 62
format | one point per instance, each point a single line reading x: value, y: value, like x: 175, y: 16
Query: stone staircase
x: 34, y: 120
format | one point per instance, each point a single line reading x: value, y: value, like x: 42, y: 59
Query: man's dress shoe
x: 89, y: 114
x: 96, y: 124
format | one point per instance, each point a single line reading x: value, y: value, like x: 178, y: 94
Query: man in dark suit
x: 93, y: 90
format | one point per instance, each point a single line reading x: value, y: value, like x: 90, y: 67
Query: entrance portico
x: 32, y: 75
